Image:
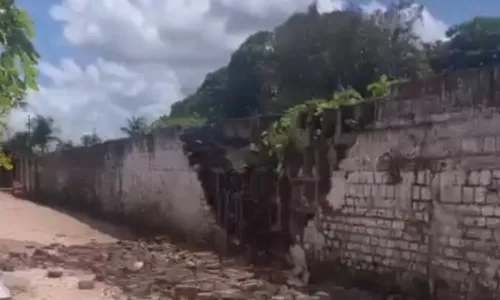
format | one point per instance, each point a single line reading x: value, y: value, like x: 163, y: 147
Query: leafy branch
x: 284, y: 133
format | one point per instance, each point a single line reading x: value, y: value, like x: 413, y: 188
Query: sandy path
x: 23, y: 222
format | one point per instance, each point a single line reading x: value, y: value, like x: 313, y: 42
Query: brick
x: 375, y: 192
x: 468, y: 195
x: 456, y: 242
x: 492, y: 198
x: 482, y: 234
x: 381, y: 190
x: 492, y: 222
x: 414, y: 247
x: 389, y: 191
x: 353, y: 177
x: 489, y: 144
x: 366, y: 190
x: 488, y: 211
x: 473, y: 178
x: 485, y: 178
x: 480, y: 195
x: 452, y: 264
x: 451, y: 194
x: 415, y: 192
x: 421, y: 176
x: 425, y: 193
x: 369, y: 177
x: 459, y: 178
x: 398, y: 225
x: 359, y: 190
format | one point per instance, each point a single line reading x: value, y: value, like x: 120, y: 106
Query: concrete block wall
x: 441, y: 219
x: 144, y: 180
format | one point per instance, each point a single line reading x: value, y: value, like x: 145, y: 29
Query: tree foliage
x: 135, y: 125
x: 165, y: 121
x: 471, y: 44
x: 65, y: 145
x: 43, y: 132
x: 89, y: 140
x: 18, y: 60
x: 310, y: 56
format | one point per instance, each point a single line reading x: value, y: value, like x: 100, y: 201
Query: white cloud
x: 100, y: 95
x: 430, y: 28
x: 149, y: 53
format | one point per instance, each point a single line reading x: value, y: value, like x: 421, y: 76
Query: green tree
x: 65, y: 145
x: 89, y: 140
x: 20, y: 142
x: 311, y: 55
x: 208, y: 100
x: 43, y: 132
x: 135, y: 125
x: 18, y: 60
x: 471, y: 44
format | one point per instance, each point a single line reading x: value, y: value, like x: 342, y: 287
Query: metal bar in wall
x: 218, y: 197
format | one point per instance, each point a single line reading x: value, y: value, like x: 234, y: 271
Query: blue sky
x: 104, y: 61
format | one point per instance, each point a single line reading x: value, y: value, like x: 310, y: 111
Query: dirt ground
x: 25, y: 225
x: 49, y: 254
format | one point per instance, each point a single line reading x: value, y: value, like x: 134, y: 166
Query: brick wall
x: 441, y: 218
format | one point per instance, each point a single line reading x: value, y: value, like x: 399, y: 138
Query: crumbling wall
x: 184, y: 182
x: 417, y: 196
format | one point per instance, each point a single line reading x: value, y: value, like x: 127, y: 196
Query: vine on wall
x: 290, y: 129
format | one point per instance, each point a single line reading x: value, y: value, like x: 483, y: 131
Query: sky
x: 105, y: 61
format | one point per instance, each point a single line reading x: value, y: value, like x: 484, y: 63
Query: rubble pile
x: 161, y: 270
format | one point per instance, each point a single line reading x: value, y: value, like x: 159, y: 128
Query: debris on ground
x: 163, y: 270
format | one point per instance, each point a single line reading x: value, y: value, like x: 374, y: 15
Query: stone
x: 395, y: 297
x: 6, y: 266
x: 39, y: 252
x: 54, y: 273
x: 206, y: 296
x: 16, y: 254
x: 5, y: 293
x: 191, y: 264
x: 230, y: 294
x: 86, y: 284
x: 251, y: 285
x: 261, y: 295
x: 323, y: 295
x: 99, y: 277
x: 185, y: 292
x: 212, y: 265
x: 135, y: 266
x: 302, y: 297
